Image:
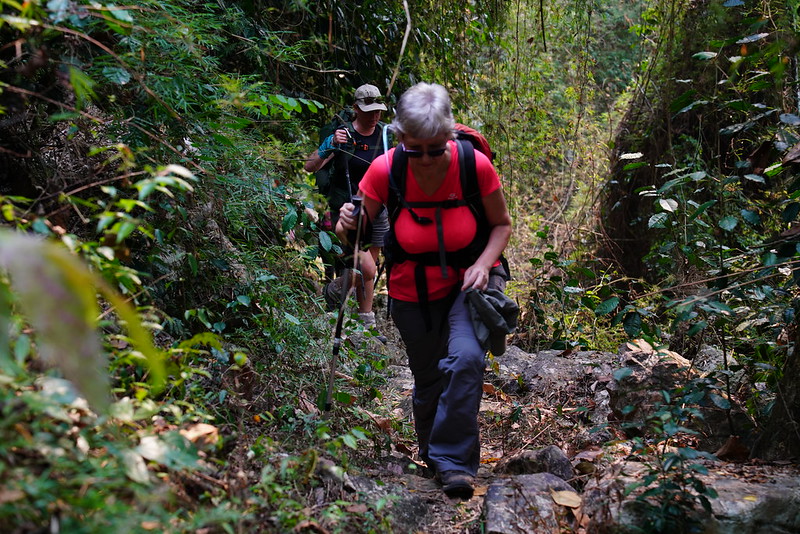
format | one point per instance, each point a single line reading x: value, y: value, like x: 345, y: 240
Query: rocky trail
x: 557, y: 455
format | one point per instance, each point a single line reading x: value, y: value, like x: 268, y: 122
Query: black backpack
x: 467, y: 142
x: 323, y: 176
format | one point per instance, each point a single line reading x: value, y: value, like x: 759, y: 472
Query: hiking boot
x: 457, y: 484
x: 368, y: 318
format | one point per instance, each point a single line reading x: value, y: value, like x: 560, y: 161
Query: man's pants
x: 448, y: 364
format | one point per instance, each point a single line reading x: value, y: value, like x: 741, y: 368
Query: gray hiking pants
x: 448, y: 364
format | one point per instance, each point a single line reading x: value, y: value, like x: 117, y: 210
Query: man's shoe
x: 457, y: 484
x: 368, y: 318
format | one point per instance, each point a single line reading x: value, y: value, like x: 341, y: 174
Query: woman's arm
x: 347, y: 220
x: 494, y: 205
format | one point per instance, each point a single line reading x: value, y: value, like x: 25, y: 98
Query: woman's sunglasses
x: 435, y: 153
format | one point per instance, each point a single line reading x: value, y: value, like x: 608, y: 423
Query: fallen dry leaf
x: 566, y: 498
x: 201, y: 434
x: 480, y: 490
x: 357, y: 508
x: 11, y: 495
x: 307, y: 406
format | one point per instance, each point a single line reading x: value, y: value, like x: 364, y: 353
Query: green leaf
x: 325, y: 241
x: 223, y: 140
x: 117, y: 75
x: 632, y: 324
x: 636, y: 165
x: 728, y: 223
x: 658, y: 220
x: 56, y: 293
x: 701, y: 209
x: 790, y: 212
x: 751, y: 217
x: 755, y: 178
x: 82, y: 86
x: 621, y: 374
x: 607, y: 306
x: 696, y: 328
x: 243, y: 299
x: 59, y: 9
x: 350, y: 441
x: 289, y: 221
x: 720, y: 401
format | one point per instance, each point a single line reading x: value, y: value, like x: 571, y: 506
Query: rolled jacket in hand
x: 494, y: 316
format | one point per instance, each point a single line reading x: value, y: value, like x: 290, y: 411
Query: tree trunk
x: 780, y: 439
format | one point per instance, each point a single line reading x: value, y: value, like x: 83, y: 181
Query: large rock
x: 525, y: 503
x: 751, y: 499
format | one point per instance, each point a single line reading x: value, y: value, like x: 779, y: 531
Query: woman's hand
x: 347, y: 216
x: 476, y: 276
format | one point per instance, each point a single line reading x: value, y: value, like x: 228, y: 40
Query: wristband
x: 326, y: 148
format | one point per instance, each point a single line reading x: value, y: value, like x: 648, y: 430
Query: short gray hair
x: 424, y: 112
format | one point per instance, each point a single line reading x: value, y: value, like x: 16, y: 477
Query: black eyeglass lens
x: 435, y: 153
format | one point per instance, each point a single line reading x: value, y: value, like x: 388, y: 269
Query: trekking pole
x: 348, y: 287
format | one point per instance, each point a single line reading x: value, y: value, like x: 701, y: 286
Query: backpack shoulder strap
x: 397, y: 183
x: 468, y: 173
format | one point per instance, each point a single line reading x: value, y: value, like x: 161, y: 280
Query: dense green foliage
x: 161, y: 143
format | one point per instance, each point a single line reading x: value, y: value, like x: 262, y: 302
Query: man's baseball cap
x: 369, y: 98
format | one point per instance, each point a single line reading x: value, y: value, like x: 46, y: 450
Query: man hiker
x: 351, y: 149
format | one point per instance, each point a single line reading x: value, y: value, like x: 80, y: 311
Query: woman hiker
x: 437, y: 250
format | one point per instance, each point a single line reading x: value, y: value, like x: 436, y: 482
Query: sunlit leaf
x: 755, y: 178
x: 705, y: 55
x: 56, y: 293
x: 59, y: 9
x: 752, y: 38
x: 119, y: 14
x: 668, y: 204
x: 789, y: 118
x: 82, y: 86
x: 636, y: 165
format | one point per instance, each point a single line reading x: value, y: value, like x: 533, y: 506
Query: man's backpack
x: 323, y: 176
x: 468, y: 140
